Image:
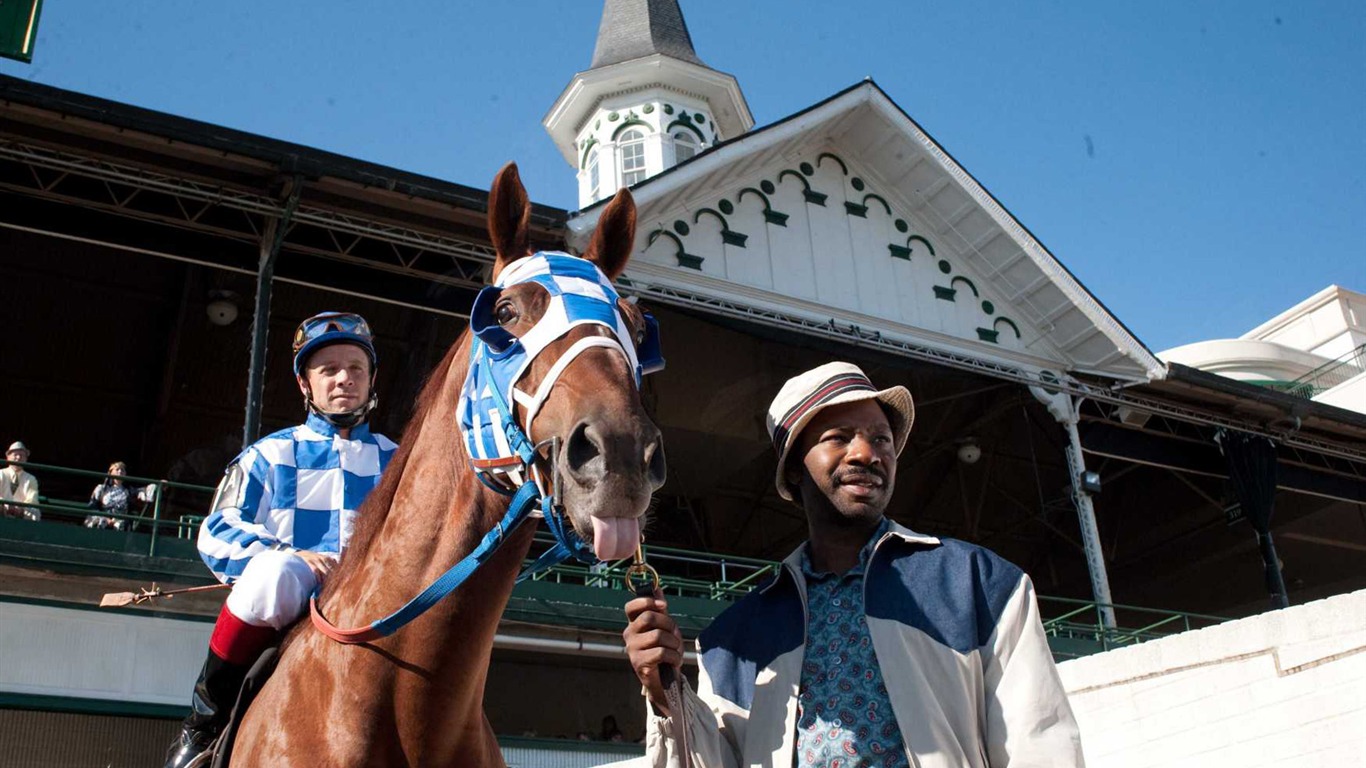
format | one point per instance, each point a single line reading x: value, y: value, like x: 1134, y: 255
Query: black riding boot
x: 215, y: 693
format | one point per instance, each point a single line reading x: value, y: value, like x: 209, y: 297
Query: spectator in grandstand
x: 900, y: 648
x: 610, y: 731
x: 16, y: 485
x: 111, y: 498
x: 283, y: 513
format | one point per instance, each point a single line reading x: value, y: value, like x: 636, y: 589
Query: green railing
x: 682, y: 572
x: 1074, y: 627
x: 169, y: 495
x: 1328, y: 375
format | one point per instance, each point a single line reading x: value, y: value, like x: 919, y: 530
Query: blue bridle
x: 501, y: 451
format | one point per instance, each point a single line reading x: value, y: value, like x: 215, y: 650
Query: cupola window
x: 594, y: 174
x: 685, y: 146
x: 631, y: 145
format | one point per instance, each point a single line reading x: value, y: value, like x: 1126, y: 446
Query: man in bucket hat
x: 19, y: 486
x: 874, y: 645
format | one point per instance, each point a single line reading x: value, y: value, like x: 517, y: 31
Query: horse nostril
x: 583, y: 447
x: 654, y: 462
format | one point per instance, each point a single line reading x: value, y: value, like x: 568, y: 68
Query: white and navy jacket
x: 962, y: 651
x: 298, y: 488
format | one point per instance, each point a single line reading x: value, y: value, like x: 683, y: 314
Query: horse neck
x: 437, y: 514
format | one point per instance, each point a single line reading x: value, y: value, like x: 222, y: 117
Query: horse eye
x: 505, y: 314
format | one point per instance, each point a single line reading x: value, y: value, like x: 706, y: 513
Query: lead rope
x: 669, y: 677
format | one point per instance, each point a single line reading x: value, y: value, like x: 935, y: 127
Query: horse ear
x: 615, y: 238
x: 509, y: 214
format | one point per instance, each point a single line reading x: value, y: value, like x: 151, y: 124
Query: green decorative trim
x: 824, y: 155
x: 857, y: 184
x: 569, y: 745
x: 700, y: 119
x: 587, y: 146
x: 811, y: 196
x: 902, y: 226
x: 988, y: 307
x: 986, y: 334
x: 899, y: 251
x: 685, y: 259
x: 597, y: 125
x: 728, y: 235
x: 685, y: 117
x: 971, y: 287
x: 680, y: 124
x: 945, y: 267
x: 854, y: 209
x: 919, y: 239
x: 768, y: 187
x: 879, y: 198
x: 806, y: 185
x: 71, y: 704
x: 731, y: 237
x: 1013, y: 327
x: 668, y: 109
x: 771, y: 216
x: 740, y: 197
x: 726, y: 206
x: 92, y: 608
x: 613, y: 117
x: 946, y: 294
x: 689, y: 261
x: 681, y: 227
x: 628, y: 125
x: 649, y: 108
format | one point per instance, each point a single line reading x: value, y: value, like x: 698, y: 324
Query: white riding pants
x: 273, y: 590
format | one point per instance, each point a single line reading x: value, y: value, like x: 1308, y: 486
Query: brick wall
x: 1285, y: 688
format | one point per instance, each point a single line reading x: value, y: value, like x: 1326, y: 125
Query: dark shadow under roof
x: 289, y: 157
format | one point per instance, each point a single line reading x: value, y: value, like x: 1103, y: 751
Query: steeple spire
x: 634, y: 29
x: 646, y: 104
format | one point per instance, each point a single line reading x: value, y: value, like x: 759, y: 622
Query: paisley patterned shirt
x: 844, y: 717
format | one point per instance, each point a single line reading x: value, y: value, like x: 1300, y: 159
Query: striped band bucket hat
x: 806, y: 394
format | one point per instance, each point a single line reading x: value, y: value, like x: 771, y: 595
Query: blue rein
x: 524, y: 502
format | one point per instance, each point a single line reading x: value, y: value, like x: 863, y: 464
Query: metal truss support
x: 271, y: 239
x: 1066, y: 409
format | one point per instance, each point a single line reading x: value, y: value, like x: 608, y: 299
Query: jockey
x: 283, y: 514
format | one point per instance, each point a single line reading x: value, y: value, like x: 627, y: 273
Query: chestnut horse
x: 416, y: 698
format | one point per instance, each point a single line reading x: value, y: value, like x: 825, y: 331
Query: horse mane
x: 375, y: 509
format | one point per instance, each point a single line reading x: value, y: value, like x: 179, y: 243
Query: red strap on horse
x: 348, y: 636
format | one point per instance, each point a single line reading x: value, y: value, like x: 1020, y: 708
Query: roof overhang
x: 580, y: 99
x: 863, y: 122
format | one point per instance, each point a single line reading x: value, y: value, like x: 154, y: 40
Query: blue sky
x: 1199, y: 165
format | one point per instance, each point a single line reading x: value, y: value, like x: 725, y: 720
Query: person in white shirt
x: 16, y: 485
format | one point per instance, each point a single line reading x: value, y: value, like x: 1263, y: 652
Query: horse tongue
x: 615, y: 537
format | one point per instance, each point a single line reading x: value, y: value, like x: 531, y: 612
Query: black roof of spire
x: 632, y: 29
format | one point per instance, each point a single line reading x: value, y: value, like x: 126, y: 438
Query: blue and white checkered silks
x: 579, y: 294
x: 298, y: 488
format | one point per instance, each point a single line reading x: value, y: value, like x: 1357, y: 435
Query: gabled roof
x: 915, y: 174
x: 634, y: 29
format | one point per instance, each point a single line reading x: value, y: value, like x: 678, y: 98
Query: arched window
x: 685, y: 146
x: 594, y: 174
x: 631, y: 145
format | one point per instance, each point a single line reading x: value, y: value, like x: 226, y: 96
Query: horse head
x: 575, y: 389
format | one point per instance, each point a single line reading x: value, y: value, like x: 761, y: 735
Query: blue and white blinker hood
x: 500, y: 449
